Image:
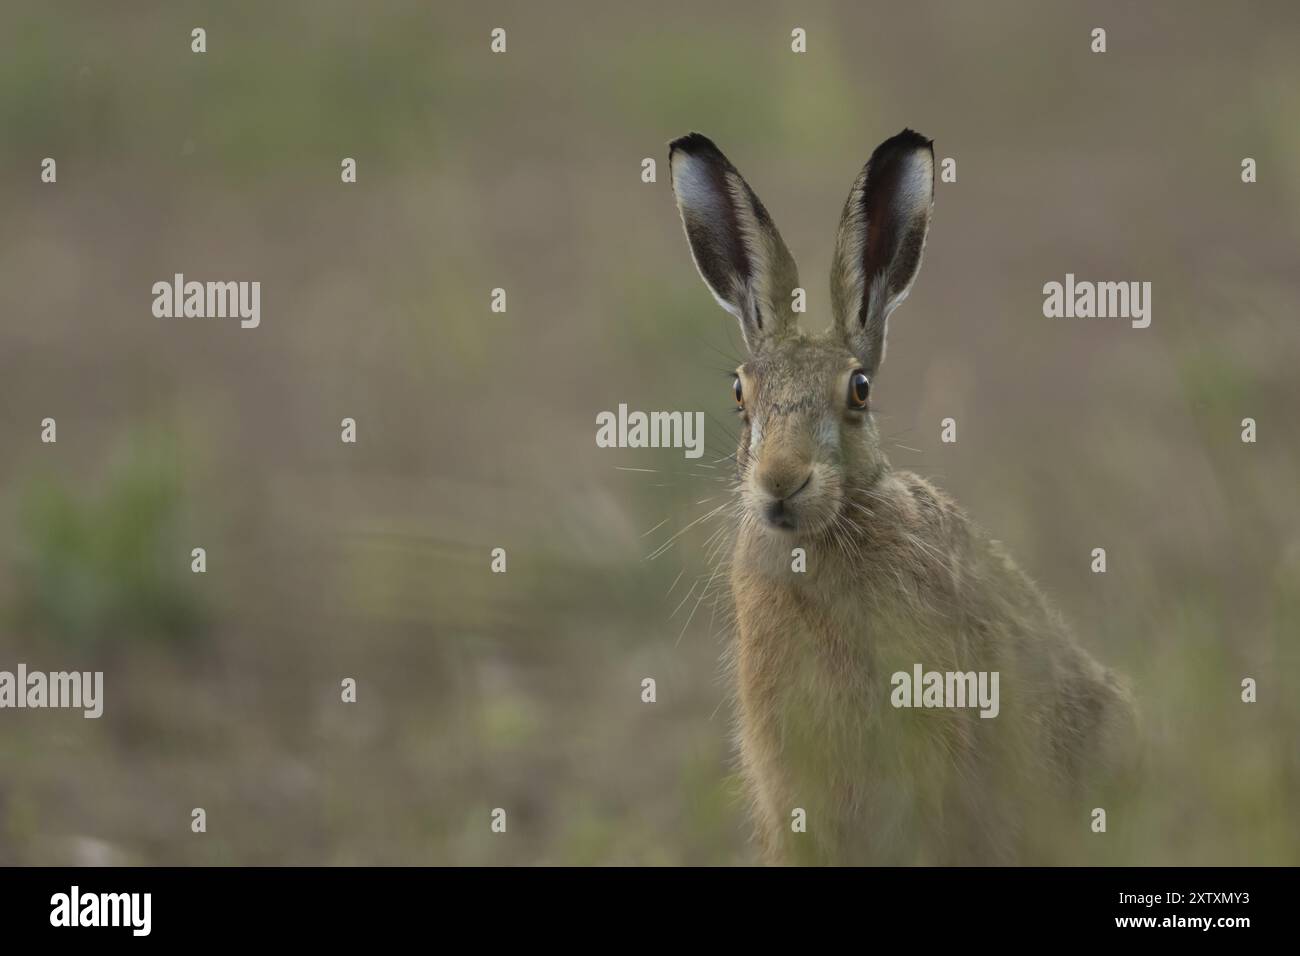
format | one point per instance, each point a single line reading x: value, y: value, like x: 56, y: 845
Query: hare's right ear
x: 881, y: 238
x: 736, y: 247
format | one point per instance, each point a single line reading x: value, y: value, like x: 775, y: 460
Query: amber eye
x: 740, y: 396
x: 859, y: 389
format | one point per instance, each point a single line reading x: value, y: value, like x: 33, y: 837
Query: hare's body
x: 813, y: 659
x: 892, y: 577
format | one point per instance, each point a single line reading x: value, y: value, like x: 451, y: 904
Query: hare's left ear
x: 734, y: 242
x: 881, y: 238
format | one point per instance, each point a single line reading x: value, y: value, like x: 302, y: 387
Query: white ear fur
x: 694, y: 191
x: 735, y: 245
x: 881, y: 240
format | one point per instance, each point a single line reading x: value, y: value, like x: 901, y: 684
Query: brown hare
x: 896, y: 578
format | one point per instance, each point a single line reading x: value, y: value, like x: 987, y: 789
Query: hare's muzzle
x: 780, y: 484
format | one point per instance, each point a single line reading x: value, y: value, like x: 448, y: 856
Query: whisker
x: 668, y: 543
x: 696, y: 608
x: 684, y: 600
x: 656, y: 527
x: 675, y: 580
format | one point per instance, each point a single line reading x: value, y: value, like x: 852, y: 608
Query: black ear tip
x: 693, y: 144
x: 909, y: 139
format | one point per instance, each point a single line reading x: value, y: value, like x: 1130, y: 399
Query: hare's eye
x: 859, y: 389
x: 740, y: 396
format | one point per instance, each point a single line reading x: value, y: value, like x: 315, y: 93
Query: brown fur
x: 813, y: 656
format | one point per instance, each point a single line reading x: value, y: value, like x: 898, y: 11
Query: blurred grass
x: 112, y: 567
x: 522, y: 690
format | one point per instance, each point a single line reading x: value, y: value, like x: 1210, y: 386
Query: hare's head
x: 808, y: 435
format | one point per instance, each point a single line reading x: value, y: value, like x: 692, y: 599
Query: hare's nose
x: 784, y: 479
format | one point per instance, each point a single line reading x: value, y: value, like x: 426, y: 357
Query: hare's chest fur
x: 813, y: 657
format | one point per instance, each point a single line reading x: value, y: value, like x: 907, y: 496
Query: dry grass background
x: 476, y: 429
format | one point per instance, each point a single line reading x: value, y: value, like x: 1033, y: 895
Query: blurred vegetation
x: 107, y: 567
x: 371, y: 561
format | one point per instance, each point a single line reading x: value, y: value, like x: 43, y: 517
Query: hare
x: 897, y: 578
